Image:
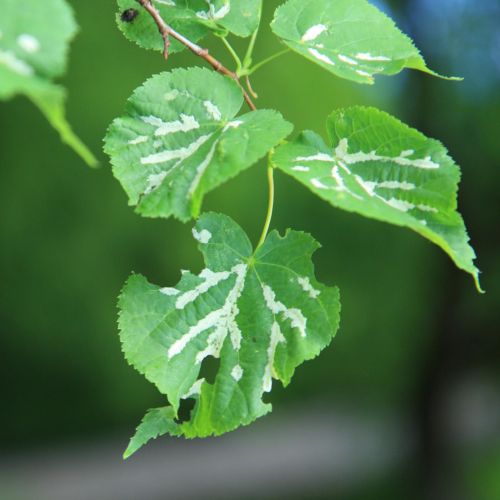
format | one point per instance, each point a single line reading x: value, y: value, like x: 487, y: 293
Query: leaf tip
x: 477, y: 282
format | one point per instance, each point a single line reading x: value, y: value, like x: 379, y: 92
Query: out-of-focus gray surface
x: 291, y: 455
x: 310, y: 451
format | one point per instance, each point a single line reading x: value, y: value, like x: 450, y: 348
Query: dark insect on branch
x: 129, y: 15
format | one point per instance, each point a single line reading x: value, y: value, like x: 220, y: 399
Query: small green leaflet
x: 350, y: 38
x: 180, y: 139
x: 192, y: 18
x: 34, y: 39
x: 380, y: 168
x: 262, y: 313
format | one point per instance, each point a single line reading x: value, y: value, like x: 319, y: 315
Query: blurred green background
x: 416, y: 341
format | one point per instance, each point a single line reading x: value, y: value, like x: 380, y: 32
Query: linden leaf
x: 379, y: 167
x: 191, y: 18
x: 263, y: 314
x: 181, y: 138
x: 34, y: 39
x: 350, y: 38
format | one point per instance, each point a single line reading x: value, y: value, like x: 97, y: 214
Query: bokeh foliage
x: 68, y: 241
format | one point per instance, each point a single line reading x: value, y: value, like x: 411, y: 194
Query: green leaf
x: 378, y: 167
x: 156, y: 423
x: 350, y: 38
x: 143, y: 31
x: 34, y: 39
x: 180, y: 139
x: 263, y: 314
x: 191, y: 18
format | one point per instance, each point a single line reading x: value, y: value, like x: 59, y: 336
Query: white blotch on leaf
x: 203, y: 236
x: 237, y: 373
x: 28, y: 43
x: 195, y: 389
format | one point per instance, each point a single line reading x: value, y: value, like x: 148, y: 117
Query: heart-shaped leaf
x: 181, y: 138
x: 378, y: 167
x: 350, y: 38
x: 263, y: 314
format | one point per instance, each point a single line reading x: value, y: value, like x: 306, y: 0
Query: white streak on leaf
x: 15, y: 64
x: 305, y: 284
x: 341, y: 186
x: 318, y: 184
x: 154, y: 182
x: 185, y: 124
x: 348, y: 60
x: 169, y: 291
x: 313, y: 32
x: 321, y: 57
x: 342, y: 153
x: 212, y: 110
x: 226, y: 322
x: 427, y: 208
x: 317, y: 157
x: 366, y: 56
x: 176, y: 154
x: 222, y: 320
x: 138, y: 140
x: 276, y: 338
x: 209, y: 280
x: 200, y: 170
x: 295, y: 316
x: 233, y: 124
x: 402, y: 205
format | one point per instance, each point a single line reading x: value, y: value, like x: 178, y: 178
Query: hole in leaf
x: 266, y: 398
x: 185, y: 408
x: 209, y: 368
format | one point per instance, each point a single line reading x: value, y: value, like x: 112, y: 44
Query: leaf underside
x: 261, y: 314
x: 180, y: 138
x: 350, y: 38
x: 194, y: 19
x: 34, y: 40
x: 378, y: 167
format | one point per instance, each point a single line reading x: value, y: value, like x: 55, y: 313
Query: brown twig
x: 167, y: 31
